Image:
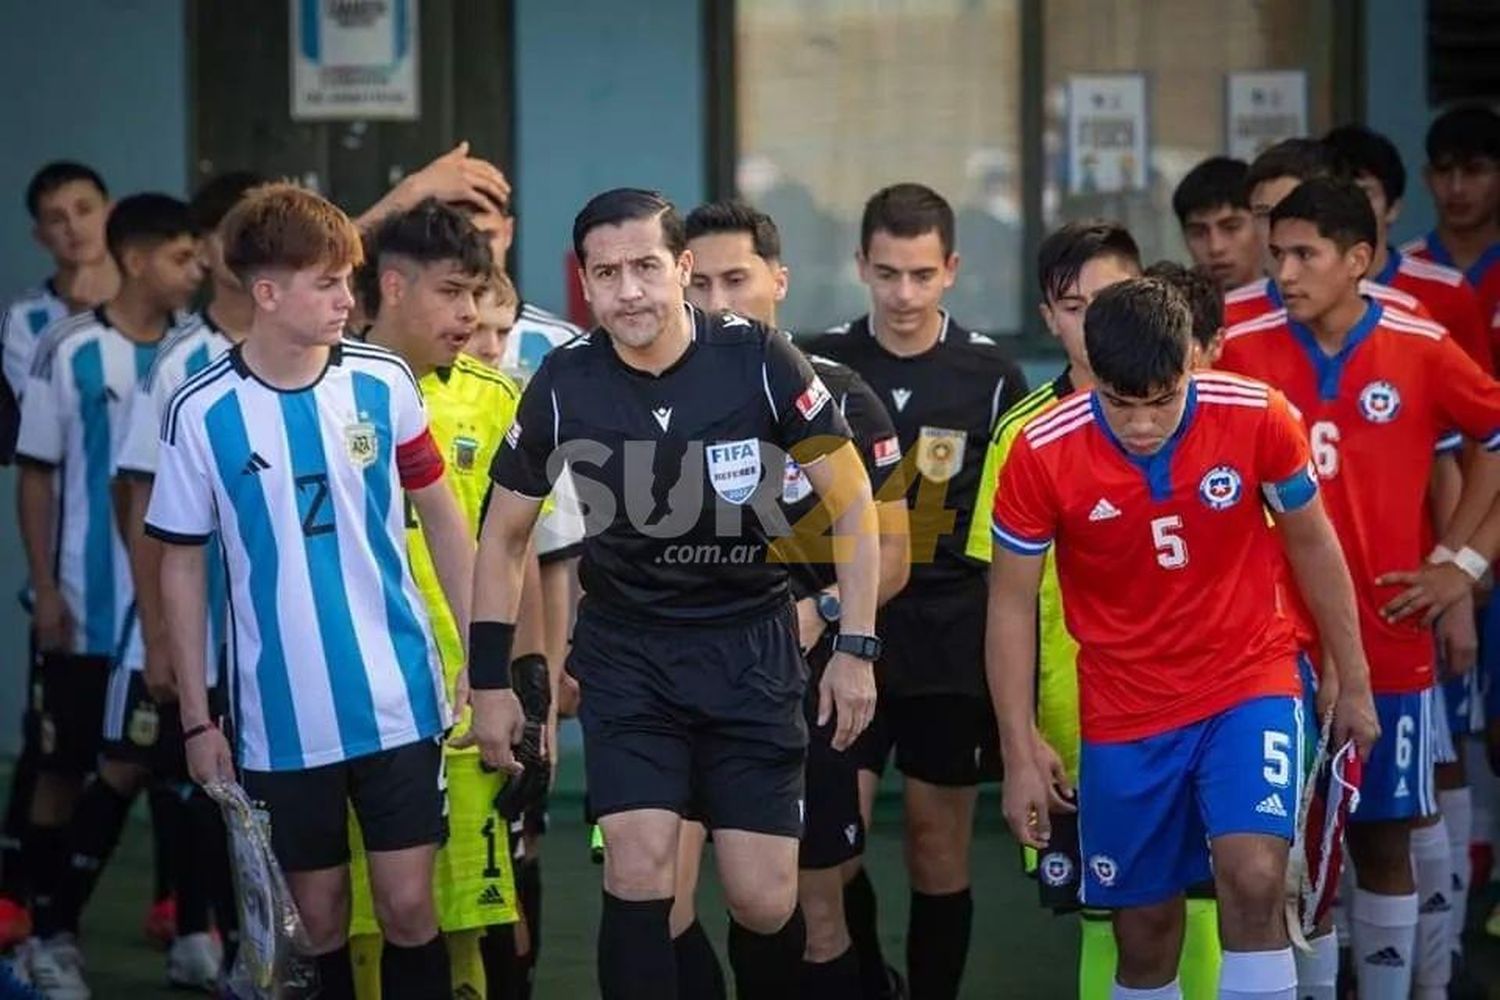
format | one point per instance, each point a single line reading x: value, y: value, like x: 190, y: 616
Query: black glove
x: 533, y: 689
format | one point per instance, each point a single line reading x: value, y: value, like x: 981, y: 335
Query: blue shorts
x: 1312, y: 726
x: 1398, y: 776
x: 1148, y: 808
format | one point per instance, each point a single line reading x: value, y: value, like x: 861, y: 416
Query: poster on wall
x: 1106, y: 133
x: 1263, y: 107
x: 354, y: 59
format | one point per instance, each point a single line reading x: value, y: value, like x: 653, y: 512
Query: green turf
x: 1017, y: 950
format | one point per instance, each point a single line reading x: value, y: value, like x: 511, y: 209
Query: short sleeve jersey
x: 1167, y: 562
x: 1447, y: 297
x: 331, y: 653
x: 73, y: 412
x: 1373, y: 411
x: 1262, y: 296
x: 1483, y: 275
x: 680, y: 473
x: 26, y: 317
x: 808, y: 549
x: 944, y: 403
x: 183, y: 353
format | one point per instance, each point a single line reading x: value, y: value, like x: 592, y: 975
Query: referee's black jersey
x: 679, y: 474
x: 810, y: 546
x: 943, y: 402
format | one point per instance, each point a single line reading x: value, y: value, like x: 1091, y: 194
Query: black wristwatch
x: 829, y: 608
x: 861, y: 647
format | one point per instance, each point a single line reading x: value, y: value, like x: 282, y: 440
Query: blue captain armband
x: 1292, y: 493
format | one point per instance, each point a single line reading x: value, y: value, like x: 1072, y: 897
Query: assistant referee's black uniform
x: 934, y: 702
x: 834, y: 830
x: 685, y: 648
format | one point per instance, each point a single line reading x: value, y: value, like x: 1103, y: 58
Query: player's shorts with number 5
x: 1398, y: 776
x: 472, y: 881
x: 1148, y: 808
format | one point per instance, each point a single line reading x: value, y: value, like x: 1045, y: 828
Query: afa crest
x: 465, y: 452
x: 1379, y: 402
x: 362, y: 444
x: 145, y: 725
x: 1221, y: 487
x: 940, y: 453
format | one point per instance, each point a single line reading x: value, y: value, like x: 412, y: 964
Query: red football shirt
x: 1374, y: 412
x: 1248, y: 302
x: 1449, y: 299
x: 1167, y: 563
x: 1483, y: 274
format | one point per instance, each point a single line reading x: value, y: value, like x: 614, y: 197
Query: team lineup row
x: 1285, y: 498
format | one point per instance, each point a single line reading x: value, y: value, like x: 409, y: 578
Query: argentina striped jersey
x: 331, y: 654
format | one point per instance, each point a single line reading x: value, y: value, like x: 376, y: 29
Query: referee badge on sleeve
x: 465, y: 450
x: 145, y: 724
x: 362, y: 444
x: 940, y: 453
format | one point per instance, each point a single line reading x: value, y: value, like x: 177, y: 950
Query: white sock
x: 1433, y: 960
x: 1171, y: 991
x: 1457, y: 805
x: 1384, y: 934
x: 1260, y: 975
x: 1339, y: 911
x: 1318, y: 970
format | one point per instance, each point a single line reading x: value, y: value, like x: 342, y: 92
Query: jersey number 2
x: 1171, y: 550
x: 312, y: 500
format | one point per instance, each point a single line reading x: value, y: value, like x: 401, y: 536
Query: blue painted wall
x: 104, y: 83
x: 1396, y: 96
x: 607, y: 95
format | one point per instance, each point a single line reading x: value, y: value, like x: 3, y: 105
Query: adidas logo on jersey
x: 1103, y: 511
x: 1271, y: 806
x: 255, y: 464
x: 900, y: 397
x: 663, y: 415
x: 1401, y: 789
x: 1436, y: 903
x: 491, y: 896
x: 1388, y: 957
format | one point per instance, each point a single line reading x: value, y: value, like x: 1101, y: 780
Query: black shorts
x: 139, y: 731
x: 942, y: 739
x: 67, y: 709
x: 833, y: 831
x: 398, y: 795
x: 702, y: 720
x: 934, y: 642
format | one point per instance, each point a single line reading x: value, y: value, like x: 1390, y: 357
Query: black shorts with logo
x: 399, y: 796
x: 137, y: 730
x: 942, y: 739
x: 834, y: 830
x: 702, y: 720
x: 67, y: 709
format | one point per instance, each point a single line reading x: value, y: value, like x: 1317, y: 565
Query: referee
x: 676, y: 425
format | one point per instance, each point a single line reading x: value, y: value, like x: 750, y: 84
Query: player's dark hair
x: 907, y: 211
x: 1217, y: 182
x: 621, y: 205
x: 430, y: 232
x: 1137, y: 335
x: 145, y: 220
x: 1302, y: 159
x: 53, y: 176
x: 1062, y: 255
x: 734, y: 216
x: 1202, y: 296
x: 1365, y: 151
x: 218, y: 195
x: 1465, y: 132
x: 1338, y: 208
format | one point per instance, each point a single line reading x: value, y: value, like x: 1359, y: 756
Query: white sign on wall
x: 1261, y: 108
x: 354, y: 59
x: 1107, y: 126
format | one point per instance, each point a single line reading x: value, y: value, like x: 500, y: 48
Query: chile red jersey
x: 1261, y: 296
x: 1447, y: 297
x: 1167, y: 562
x: 1374, y: 412
x: 1483, y: 275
